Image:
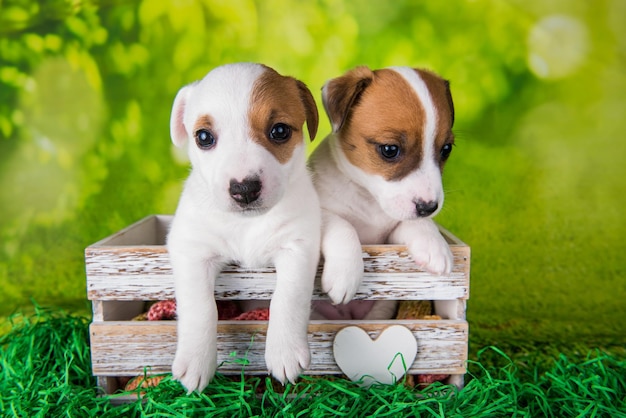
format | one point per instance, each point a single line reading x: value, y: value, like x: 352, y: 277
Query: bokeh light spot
x: 557, y: 46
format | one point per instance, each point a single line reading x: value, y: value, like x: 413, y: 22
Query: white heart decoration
x: 384, y: 360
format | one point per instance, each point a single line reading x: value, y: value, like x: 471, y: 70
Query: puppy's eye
x: 205, y: 139
x: 445, y: 151
x: 280, y: 133
x: 389, y: 152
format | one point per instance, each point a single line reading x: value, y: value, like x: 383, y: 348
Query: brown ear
x: 341, y: 93
x: 450, y: 103
x: 312, y: 117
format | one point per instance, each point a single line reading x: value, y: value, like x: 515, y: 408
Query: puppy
x: 249, y: 199
x: 378, y: 174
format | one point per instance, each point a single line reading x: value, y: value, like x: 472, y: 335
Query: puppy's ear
x: 340, y: 94
x: 450, y: 102
x: 177, y: 128
x: 312, y: 117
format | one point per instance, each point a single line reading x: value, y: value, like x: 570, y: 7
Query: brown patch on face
x: 277, y: 99
x: 203, y: 122
x: 444, y: 108
x: 386, y: 111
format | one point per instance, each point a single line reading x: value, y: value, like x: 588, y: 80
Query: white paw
x: 194, y: 369
x: 433, y: 254
x: 341, y: 280
x: 286, y: 356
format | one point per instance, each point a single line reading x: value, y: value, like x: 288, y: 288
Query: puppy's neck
x: 343, y: 194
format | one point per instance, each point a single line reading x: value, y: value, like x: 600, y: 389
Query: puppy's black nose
x: 425, y: 209
x: 246, y: 191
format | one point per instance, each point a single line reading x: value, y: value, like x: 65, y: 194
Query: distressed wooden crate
x: 132, y: 266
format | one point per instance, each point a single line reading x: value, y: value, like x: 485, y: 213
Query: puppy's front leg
x: 286, y: 346
x: 426, y: 245
x: 343, y: 259
x: 196, y: 353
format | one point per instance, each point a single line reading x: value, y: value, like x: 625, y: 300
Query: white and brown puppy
x: 378, y: 174
x: 249, y: 199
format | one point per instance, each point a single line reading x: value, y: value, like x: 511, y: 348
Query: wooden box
x: 132, y: 266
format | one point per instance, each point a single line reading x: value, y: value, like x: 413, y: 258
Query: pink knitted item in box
x: 226, y: 310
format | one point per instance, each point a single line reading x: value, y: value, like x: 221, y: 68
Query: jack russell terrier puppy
x: 249, y: 199
x: 378, y: 174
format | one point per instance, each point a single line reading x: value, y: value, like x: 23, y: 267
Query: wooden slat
x: 144, y: 273
x: 149, y: 231
x: 125, y: 348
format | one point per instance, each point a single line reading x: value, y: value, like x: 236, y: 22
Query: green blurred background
x: 535, y: 184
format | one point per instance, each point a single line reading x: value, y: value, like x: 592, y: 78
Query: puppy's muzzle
x: 424, y: 209
x: 246, y: 191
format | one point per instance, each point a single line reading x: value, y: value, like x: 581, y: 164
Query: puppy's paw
x: 286, y: 356
x: 432, y: 253
x: 341, y: 280
x: 194, y: 370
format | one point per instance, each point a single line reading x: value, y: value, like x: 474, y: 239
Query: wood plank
x: 147, y: 260
x: 152, y: 230
x: 142, y: 232
x: 144, y: 273
x: 125, y: 348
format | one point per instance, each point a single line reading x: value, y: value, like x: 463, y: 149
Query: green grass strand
x: 45, y: 371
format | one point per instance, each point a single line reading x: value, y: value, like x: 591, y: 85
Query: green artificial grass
x: 45, y: 371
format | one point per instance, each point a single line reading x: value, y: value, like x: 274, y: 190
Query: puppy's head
x: 394, y: 134
x: 244, y: 125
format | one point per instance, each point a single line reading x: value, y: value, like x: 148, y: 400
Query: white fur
x: 362, y: 208
x: 209, y: 230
